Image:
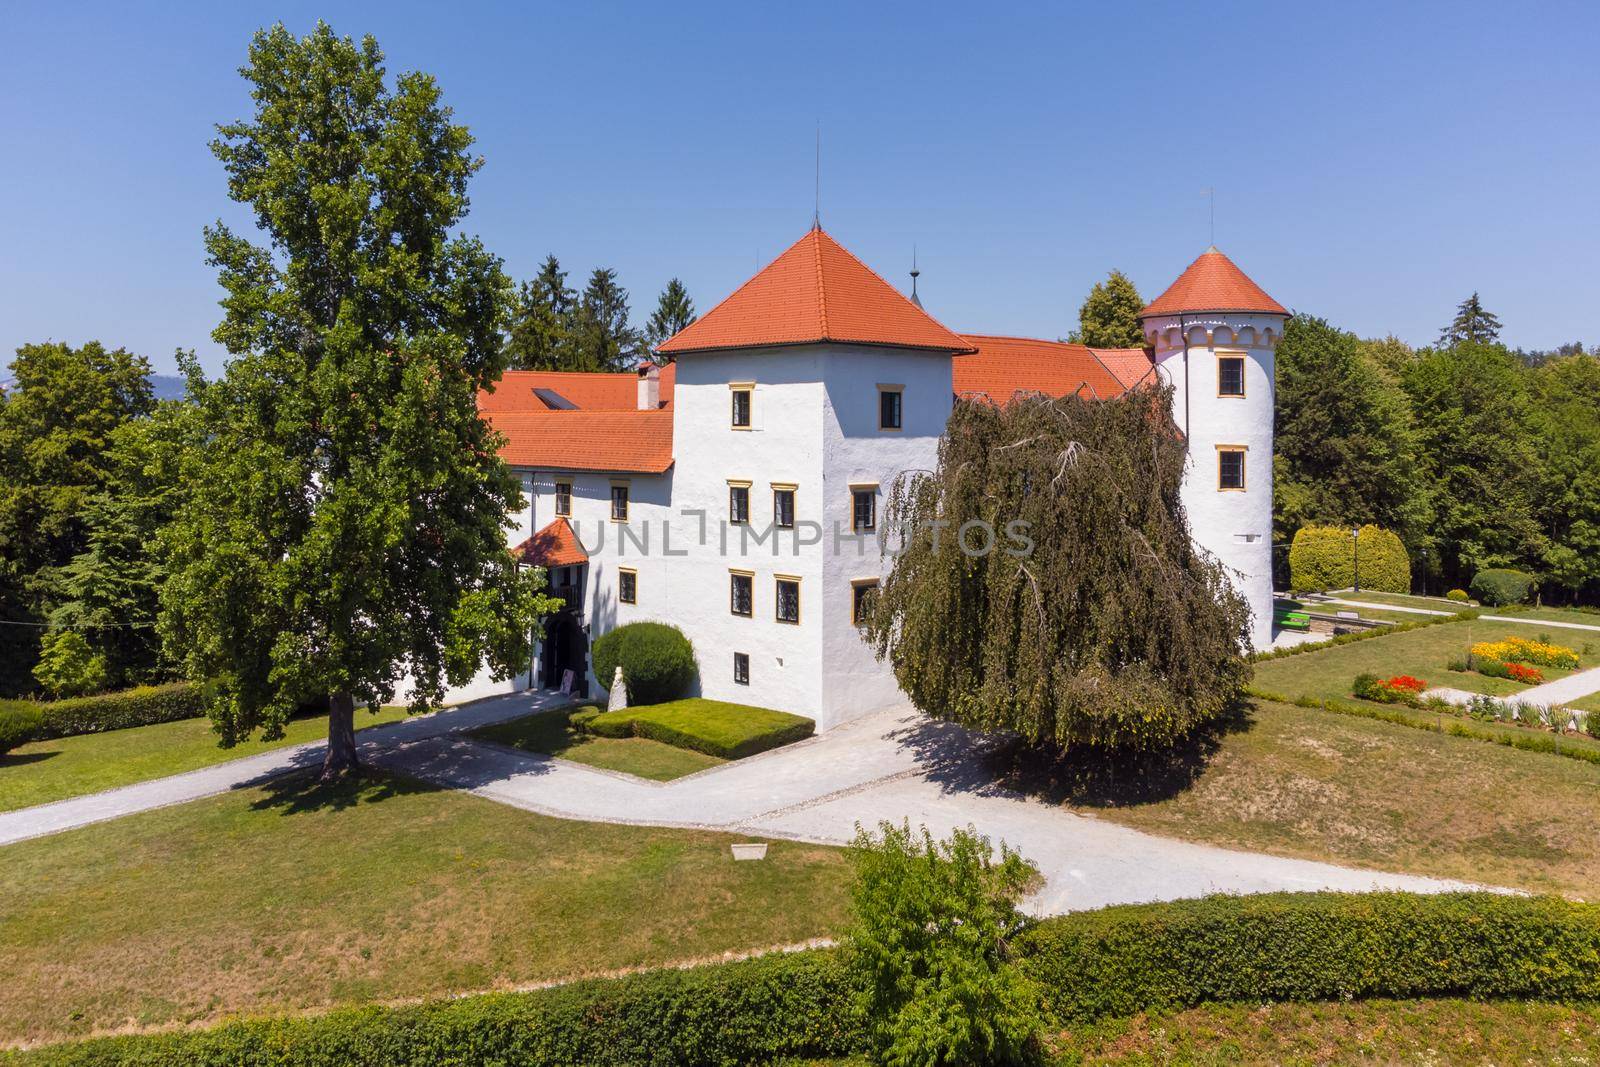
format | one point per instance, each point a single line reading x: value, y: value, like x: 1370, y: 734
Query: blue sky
x: 1372, y: 164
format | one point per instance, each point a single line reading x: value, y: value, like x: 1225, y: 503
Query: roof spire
x: 816, y: 210
x: 915, y: 299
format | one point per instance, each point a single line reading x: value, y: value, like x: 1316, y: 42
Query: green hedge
x: 657, y: 661
x: 752, y: 1011
x: 728, y: 731
x: 1497, y: 587
x: 143, y: 706
x: 1117, y: 961
x: 19, y: 724
x: 1315, y: 946
x: 1323, y: 557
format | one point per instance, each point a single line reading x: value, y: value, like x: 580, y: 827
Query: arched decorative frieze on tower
x: 1213, y: 334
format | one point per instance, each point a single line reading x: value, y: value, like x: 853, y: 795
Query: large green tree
x: 604, y: 339
x: 344, y: 532
x: 56, y: 424
x: 110, y: 592
x: 1565, y: 420
x: 1473, y: 325
x: 674, y: 310
x: 540, y: 333
x: 1471, y: 410
x: 1109, y: 317
x: 1110, y: 629
x: 1344, y: 447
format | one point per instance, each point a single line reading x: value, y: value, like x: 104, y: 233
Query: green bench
x: 1292, y: 620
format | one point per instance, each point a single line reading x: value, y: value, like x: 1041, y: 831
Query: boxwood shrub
x: 657, y: 661
x: 1458, y: 595
x: 717, y: 728
x: 1323, y: 557
x: 1315, y: 946
x: 1496, y: 587
x: 19, y: 724
x: 143, y: 706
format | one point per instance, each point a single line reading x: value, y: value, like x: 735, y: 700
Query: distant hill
x: 165, y: 386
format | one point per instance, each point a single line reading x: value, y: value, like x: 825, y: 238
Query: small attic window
x: 554, y: 400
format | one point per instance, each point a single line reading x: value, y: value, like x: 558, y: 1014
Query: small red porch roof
x: 554, y: 546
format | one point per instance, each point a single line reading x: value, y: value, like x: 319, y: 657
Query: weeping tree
x: 1092, y: 619
x: 343, y: 536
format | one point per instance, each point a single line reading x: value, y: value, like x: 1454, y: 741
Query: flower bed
x: 1522, y: 650
x: 1400, y: 689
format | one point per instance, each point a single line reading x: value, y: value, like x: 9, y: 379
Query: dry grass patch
x: 1307, y: 783
x: 296, y: 897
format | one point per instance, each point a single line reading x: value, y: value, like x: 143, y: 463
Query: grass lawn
x: 1573, y: 615
x: 296, y: 897
x: 1327, y: 673
x: 1313, y: 784
x: 1371, y: 1031
x: 731, y: 731
x: 1402, y: 600
x: 549, y: 732
x: 42, y: 771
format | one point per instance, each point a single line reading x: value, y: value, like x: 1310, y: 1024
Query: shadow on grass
x: 299, y: 793
x: 1095, y: 779
x: 22, y: 759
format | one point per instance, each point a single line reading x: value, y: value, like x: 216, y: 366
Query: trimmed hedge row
x: 1315, y: 946
x: 798, y: 1005
x: 717, y: 728
x: 142, y: 706
x: 1120, y: 960
x: 1117, y: 961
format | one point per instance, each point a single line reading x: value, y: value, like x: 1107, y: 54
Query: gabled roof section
x: 1130, y: 365
x: 814, y: 292
x: 554, y: 546
x: 1002, y: 367
x: 622, y: 442
x: 1213, y: 283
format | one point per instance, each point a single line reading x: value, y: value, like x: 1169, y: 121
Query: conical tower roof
x: 1213, y: 283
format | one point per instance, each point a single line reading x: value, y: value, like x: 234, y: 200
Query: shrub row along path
x: 889, y: 766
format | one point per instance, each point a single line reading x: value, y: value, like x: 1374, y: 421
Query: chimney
x: 649, y: 387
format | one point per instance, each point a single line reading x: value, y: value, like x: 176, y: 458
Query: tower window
x: 741, y: 668
x: 889, y: 406
x: 1230, y: 376
x: 1230, y: 467
x: 739, y: 400
x: 628, y: 586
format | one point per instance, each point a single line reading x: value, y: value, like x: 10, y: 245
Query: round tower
x: 1214, y: 332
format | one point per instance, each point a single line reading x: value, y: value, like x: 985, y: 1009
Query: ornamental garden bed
x: 659, y: 741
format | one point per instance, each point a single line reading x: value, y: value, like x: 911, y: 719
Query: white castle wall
x: 1234, y: 525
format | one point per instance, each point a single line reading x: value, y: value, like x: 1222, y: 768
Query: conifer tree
x: 1473, y: 324
x: 540, y: 336
x: 1109, y: 317
x: 604, y: 340
x: 674, y: 311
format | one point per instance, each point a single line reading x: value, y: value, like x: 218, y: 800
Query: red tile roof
x: 587, y: 391
x: 630, y: 442
x: 1002, y: 367
x: 1130, y: 365
x: 816, y: 291
x: 1213, y: 283
x: 554, y: 546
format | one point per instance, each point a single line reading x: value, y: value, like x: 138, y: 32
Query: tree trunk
x: 341, y: 758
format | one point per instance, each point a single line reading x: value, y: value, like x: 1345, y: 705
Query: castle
x: 736, y: 491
